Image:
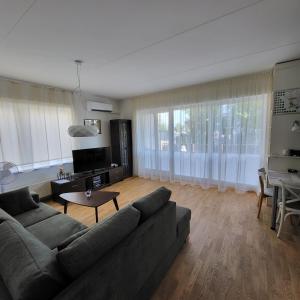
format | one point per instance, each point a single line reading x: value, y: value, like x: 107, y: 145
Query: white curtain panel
x: 212, y: 142
x: 33, y: 125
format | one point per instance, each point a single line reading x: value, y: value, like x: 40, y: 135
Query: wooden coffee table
x: 97, y: 198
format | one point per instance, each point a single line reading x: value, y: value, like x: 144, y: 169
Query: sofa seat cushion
x: 29, y: 268
x: 151, y: 203
x: 17, y: 202
x: 4, y: 216
x: 33, y: 216
x: 52, y: 231
x: 83, y: 252
x: 183, y: 217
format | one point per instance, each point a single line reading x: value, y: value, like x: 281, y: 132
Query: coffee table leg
x: 96, y: 213
x: 65, y: 207
x: 116, y: 203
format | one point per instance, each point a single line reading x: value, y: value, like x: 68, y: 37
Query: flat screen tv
x: 91, y: 159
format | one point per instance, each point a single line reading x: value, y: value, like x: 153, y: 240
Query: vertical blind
x: 33, y: 125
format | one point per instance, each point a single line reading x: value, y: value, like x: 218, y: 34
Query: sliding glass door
x: 214, y: 143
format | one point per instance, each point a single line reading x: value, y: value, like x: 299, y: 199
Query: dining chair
x: 264, y: 191
x: 288, y: 206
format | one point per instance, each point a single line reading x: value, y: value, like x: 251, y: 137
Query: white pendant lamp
x: 81, y: 130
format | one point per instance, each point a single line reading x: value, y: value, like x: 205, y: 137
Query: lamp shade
x: 82, y: 131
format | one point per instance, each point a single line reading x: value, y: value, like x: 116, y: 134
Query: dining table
x: 274, y: 179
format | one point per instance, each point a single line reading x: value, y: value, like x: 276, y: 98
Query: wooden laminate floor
x: 230, y: 254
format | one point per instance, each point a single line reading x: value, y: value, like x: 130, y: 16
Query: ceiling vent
x: 98, y: 106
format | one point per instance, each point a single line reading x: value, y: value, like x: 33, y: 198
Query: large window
x: 33, y: 126
x: 213, y: 143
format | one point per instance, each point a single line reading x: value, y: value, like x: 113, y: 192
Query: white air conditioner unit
x: 98, y: 106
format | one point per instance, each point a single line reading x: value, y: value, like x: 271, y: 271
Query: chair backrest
x: 293, y: 190
x: 262, y: 179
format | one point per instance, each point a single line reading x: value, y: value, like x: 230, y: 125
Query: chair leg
x: 278, y: 215
x: 282, y: 217
x: 260, y: 204
x: 258, y: 200
x: 291, y: 220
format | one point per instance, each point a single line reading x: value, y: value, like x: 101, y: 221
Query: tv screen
x: 91, y: 159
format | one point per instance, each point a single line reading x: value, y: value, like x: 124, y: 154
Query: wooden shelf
x: 283, y: 156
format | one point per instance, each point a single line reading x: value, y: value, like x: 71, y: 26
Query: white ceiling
x: 133, y: 47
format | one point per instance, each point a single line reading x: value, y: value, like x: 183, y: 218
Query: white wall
x: 126, y: 109
x: 285, y: 76
x: 81, y: 113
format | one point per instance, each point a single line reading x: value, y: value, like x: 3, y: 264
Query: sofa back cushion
x: 4, y: 216
x: 66, y: 242
x: 125, y: 269
x: 17, y: 202
x: 152, y: 202
x: 83, y: 252
x: 29, y: 269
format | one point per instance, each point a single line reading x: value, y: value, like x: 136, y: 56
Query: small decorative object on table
x: 88, y: 193
x: 63, y: 175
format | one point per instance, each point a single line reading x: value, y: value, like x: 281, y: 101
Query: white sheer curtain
x: 218, y: 142
x: 33, y: 125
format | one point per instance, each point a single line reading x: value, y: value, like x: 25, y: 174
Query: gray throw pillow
x: 29, y: 268
x: 83, y: 252
x: 151, y: 203
x: 17, y: 202
x: 35, y: 196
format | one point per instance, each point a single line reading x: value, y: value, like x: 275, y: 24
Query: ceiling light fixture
x: 78, y: 63
x: 81, y: 130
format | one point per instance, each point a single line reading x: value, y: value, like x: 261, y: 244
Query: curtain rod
x: 33, y: 84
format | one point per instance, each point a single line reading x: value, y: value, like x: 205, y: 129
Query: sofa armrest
x: 35, y: 196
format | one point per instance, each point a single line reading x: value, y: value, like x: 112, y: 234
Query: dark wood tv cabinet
x: 86, y: 181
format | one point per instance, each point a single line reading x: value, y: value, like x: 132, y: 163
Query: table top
x: 275, y: 178
x: 97, y: 198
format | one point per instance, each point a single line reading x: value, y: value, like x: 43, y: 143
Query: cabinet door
x: 124, y: 143
x: 115, y: 142
x: 129, y: 149
x: 126, y: 147
x: 121, y: 144
x: 74, y: 186
x: 116, y: 174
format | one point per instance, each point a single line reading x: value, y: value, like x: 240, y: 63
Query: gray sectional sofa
x: 48, y: 255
